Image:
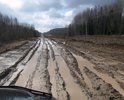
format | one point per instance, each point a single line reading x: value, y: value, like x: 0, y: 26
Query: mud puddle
x: 28, y: 70
x: 51, y: 69
x: 71, y: 87
x: 12, y: 68
x: 105, y: 77
x: 41, y: 80
x: 65, y: 73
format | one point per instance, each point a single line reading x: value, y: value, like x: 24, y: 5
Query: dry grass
x: 111, y: 40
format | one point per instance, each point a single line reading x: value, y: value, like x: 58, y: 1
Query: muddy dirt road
x: 51, y: 66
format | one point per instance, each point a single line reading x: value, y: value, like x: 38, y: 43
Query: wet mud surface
x: 65, y: 72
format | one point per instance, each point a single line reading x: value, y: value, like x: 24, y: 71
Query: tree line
x: 104, y: 20
x: 11, y: 29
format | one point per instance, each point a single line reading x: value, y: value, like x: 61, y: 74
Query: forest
x: 11, y: 29
x: 99, y: 20
x: 104, y: 20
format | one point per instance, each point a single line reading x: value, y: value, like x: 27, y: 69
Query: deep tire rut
x: 59, y: 85
x: 98, y: 88
x: 7, y: 74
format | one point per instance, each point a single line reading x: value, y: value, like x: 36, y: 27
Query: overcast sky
x: 47, y: 14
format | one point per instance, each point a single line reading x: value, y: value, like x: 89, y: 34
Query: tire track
x: 98, y: 88
x: 30, y: 67
x: 58, y: 90
x: 31, y: 77
x: 102, y: 90
x: 20, y: 67
x: 69, y: 84
x: 15, y: 79
x: 61, y: 88
x: 32, y: 53
x: 41, y: 80
x: 7, y: 74
x: 51, y: 50
x: 90, y: 91
x: 75, y: 71
x: 101, y: 70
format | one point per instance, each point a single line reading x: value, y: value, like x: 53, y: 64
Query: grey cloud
x: 42, y: 5
x: 53, y: 13
x: 33, y: 6
x: 76, y: 3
